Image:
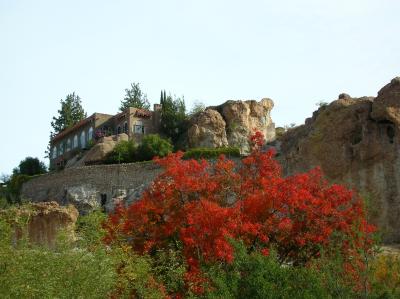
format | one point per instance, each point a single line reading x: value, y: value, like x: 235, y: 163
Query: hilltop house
x: 132, y: 121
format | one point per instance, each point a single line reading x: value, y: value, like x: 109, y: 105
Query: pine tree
x: 70, y: 113
x: 134, y: 97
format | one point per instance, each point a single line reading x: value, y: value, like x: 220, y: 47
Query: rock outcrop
x: 231, y: 124
x: 43, y: 221
x: 207, y: 129
x: 355, y: 141
x: 98, y: 152
x: 84, y: 197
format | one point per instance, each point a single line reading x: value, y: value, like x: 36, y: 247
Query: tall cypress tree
x: 173, y: 116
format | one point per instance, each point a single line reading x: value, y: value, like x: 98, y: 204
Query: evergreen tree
x: 70, y: 113
x: 135, y: 97
x: 173, y: 116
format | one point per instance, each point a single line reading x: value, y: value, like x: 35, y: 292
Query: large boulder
x: 102, y: 148
x: 386, y: 107
x: 355, y: 141
x: 244, y: 117
x: 231, y: 124
x: 207, y: 130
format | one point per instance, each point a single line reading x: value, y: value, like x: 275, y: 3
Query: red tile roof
x: 143, y: 113
x: 71, y: 129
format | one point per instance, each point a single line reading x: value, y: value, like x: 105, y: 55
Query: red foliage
x: 203, y: 204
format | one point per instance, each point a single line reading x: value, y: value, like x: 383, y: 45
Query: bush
x: 201, y: 205
x: 14, y: 186
x: 85, y: 269
x: 253, y: 275
x: 29, y: 271
x: 208, y: 153
x: 153, y: 145
x: 123, y: 152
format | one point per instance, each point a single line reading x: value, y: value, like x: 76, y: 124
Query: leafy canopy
x: 30, y: 166
x: 123, y: 152
x: 134, y: 97
x: 153, y: 145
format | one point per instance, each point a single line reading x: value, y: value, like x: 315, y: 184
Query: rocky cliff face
x: 231, y: 124
x: 355, y: 141
x: 43, y: 222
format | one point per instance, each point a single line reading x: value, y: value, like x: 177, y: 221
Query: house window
x: 61, y: 149
x: 119, y: 130
x: 75, y: 141
x: 68, y: 145
x: 54, y: 152
x: 83, y: 139
x: 90, y: 133
x: 138, y: 128
x: 126, y: 128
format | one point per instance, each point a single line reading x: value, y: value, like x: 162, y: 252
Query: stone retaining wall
x: 92, y: 186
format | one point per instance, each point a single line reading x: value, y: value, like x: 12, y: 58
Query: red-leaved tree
x: 203, y: 205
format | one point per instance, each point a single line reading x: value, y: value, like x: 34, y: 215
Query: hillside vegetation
x: 210, y: 230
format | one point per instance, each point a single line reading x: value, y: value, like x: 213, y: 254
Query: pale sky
x: 296, y: 52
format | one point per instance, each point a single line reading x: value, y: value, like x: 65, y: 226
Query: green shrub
x: 153, y: 145
x: 84, y: 269
x: 169, y: 267
x: 28, y: 271
x: 253, y: 275
x: 123, y: 152
x: 14, y: 185
x: 207, y: 153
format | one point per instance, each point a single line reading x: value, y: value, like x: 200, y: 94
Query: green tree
x: 173, y: 116
x: 123, y: 152
x: 70, y: 113
x: 153, y: 145
x: 134, y: 97
x: 197, y: 108
x: 30, y: 166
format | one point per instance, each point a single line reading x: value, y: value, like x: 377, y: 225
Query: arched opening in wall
x: 68, y: 145
x: 126, y: 128
x: 75, y: 144
x: 119, y: 130
x: 90, y: 133
x: 61, y: 149
x: 103, y: 201
x: 83, y: 139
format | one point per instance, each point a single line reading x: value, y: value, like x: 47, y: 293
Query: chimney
x: 157, y: 107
